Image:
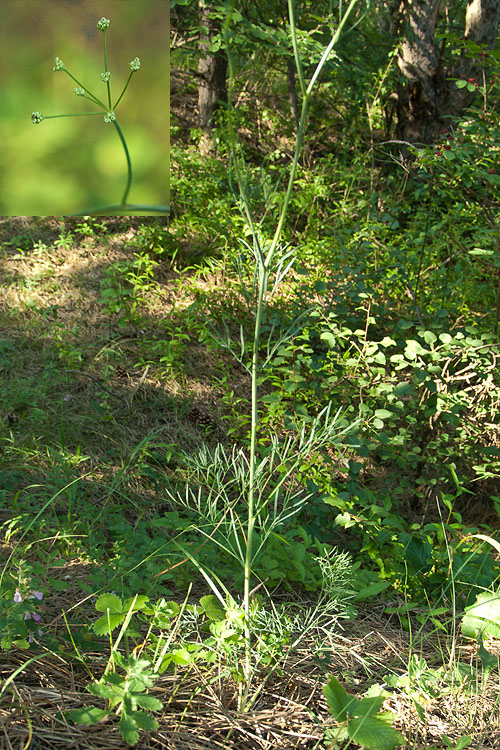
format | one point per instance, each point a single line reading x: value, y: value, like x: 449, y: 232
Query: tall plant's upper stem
x: 129, y: 163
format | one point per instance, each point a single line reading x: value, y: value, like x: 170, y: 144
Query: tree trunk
x: 428, y: 99
x: 212, y: 68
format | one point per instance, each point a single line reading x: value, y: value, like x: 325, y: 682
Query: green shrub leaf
x: 374, y: 733
x: 88, y: 715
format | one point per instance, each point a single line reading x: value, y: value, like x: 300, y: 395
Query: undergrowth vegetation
x: 250, y: 459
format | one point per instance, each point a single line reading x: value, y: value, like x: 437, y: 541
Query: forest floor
x: 81, y: 392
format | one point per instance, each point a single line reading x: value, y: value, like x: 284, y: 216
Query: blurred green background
x: 71, y: 165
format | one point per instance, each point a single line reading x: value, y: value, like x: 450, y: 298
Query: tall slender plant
x: 240, y: 498
x: 270, y: 259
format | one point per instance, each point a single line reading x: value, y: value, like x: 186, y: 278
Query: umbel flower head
x: 135, y: 64
x: 105, y: 76
x: 103, y: 23
x: 109, y: 117
x: 79, y: 91
x: 36, y: 118
x: 58, y: 64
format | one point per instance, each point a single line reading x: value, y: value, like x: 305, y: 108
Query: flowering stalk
x: 266, y: 256
x: 109, y: 109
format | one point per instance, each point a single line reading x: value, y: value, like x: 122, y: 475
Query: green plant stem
x: 124, y: 89
x: 264, y: 262
x: 262, y: 287
x: 76, y: 114
x: 129, y: 163
x: 106, y: 69
x: 94, y: 98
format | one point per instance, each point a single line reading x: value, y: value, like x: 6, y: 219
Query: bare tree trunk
x: 212, y: 69
x: 428, y: 99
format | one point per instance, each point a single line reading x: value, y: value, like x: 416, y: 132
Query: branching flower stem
x: 106, y: 68
x: 124, y: 89
x: 109, y: 117
x: 91, y: 95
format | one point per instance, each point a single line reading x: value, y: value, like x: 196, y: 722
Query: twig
x: 99, y: 381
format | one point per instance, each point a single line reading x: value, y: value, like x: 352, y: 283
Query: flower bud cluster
x: 103, y: 23
x: 79, y: 91
x: 135, y: 64
x: 109, y: 117
x: 58, y: 64
x: 105, y: 76
x: 36, y: 118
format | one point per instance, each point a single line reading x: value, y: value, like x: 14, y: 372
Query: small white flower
x: 109, y: 117
x: 58, y: 64
x: 135, y: 64
x: 105, y: 77
x: 36, y: 118
x: 79, y: 91
x: 103, y: 23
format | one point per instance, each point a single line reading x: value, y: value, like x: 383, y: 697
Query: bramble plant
x: 108, y: 108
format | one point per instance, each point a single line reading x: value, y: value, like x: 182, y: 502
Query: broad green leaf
x: 18, y: 643
x: 387, y: 341
x: 104, y: 689
x: 149, y: 702
x: 445, y: 338
x: 371, y: 590
x: 339, y: 701
x: 104, y: 625
x: 368, y: 706
x: 345, y: 520
x: 182, y: 657
x: 374, y: 734
x: 383, y: 413
x: 430, y: 337
x: 88, y: 715
x: 109, y: 601
x: 140, y: 601
x: 481, y: 251
x: 171, y: 609
x: 329, y: 338
x: 146, y: 722
x: 417, y: 552
x: 403, y: 389
x: 413, y: 348
x: 320, y: 286
x: 271, y: 398
x: 483, y: 617
x: 212, y: 607
x: 129, y: 728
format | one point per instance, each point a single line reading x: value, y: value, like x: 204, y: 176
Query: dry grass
x: 200, y: 710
